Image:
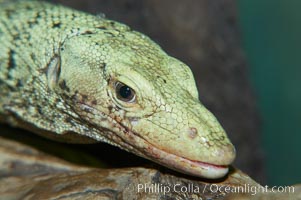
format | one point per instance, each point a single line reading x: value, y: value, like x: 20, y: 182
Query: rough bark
x: 26, y: 173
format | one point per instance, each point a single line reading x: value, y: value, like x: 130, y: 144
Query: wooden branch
x: 26, y: 173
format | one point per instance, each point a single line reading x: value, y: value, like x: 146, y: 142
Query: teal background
x: 271, y: 32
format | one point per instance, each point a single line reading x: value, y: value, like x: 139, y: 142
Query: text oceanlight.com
x: 213, y: 188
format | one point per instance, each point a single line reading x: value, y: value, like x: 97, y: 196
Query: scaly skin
x: 67, y: 74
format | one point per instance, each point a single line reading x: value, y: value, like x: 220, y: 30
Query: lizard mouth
x: 184, y: 165
x: 131, y: 141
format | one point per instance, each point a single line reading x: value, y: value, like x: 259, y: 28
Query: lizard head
x: 138, y: 98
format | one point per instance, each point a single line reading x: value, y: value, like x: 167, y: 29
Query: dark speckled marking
x: 94, y: 102
x: 56, y: 25
x: 27, y: 7
x: 87, y: 32
x: 102, y: 27
x: 39, y: 16
x: 64, y: 86
x: 84, y: 97
x: 74, y: 97
x: 9, y: 12
x: 39, y: 109
x: 11, y: 60
x: 103, y: 65
x: 31, y: 24
x: 16, y: 36
x: 32, y: 56
x: 69, y: 121
x: 110, y: 108
x: 19, y: 83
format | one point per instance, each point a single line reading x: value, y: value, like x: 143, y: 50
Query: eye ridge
x: 124, y: 92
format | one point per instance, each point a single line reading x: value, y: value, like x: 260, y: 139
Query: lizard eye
x: 125, y: 93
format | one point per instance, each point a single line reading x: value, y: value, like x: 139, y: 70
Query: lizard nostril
x: 192, y: 132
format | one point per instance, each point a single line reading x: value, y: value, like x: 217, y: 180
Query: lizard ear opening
x: 53, y: 71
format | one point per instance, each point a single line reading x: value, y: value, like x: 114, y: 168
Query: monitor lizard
x: 73, y: 76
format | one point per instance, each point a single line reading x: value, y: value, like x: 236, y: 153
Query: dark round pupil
x: 125, y: 92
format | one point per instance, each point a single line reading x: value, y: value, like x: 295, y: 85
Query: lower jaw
x: 187, y: 166
x: 178, y: 163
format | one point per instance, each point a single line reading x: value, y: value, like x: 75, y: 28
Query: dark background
x: 271, y: 38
